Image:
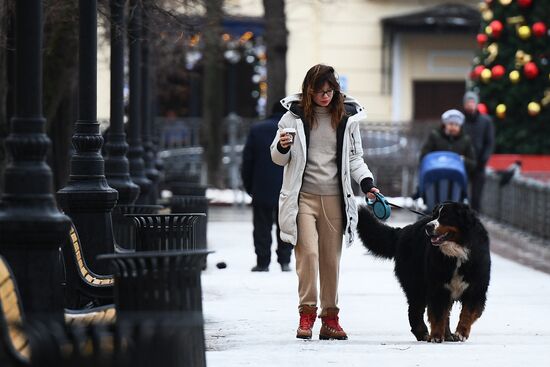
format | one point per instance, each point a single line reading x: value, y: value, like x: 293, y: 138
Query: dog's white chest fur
x: 453, y: 249
x: 457, y: 285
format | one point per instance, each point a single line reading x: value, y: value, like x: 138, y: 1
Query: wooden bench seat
x: 104, y: 314
x: 82, y: 285
x: 14, y: 343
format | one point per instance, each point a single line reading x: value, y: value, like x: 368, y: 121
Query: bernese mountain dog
x: 440, y: 259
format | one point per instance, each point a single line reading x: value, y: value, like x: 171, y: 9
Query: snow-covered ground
x: 251, y: 318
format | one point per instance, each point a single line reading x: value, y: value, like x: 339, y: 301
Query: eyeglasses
x: 328, y: 93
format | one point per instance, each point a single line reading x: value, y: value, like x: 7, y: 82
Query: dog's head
x: 449, y: 225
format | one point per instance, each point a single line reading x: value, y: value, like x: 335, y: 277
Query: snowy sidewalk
x: 251, y: 318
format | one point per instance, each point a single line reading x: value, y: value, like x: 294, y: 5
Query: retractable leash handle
x: 380, y: 206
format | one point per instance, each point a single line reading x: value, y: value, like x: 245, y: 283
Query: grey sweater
x: 321, y: 174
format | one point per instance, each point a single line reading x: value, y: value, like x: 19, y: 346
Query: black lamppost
x: 135, y: 154
x: 117, y: 167
x: 147, y: 119
x: 87, y: 198
x: 31, y: 227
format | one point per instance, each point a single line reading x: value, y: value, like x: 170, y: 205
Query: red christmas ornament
x: 530, y: 70
x: 539, y: 29
x: 482, y: 108
x: 476, y: 72
x: 496, y: 27
x: 525, y: 3
x: 482, y: 39
x: 498, y: 71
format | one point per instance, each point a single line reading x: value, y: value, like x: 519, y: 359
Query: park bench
x: 158, y: 312
x: 15, y: 346
x: 14, y: 342
x: 82, y: 285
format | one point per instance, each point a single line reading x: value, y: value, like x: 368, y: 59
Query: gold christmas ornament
x: 533, y: 108
x: 524, y: 32
x: 520, y: 19
x: 519, y: 54
x: 488, y: 30
x: 483, y: 6
x: 487, y: 15
x: 505, y: 2
x: 522, y: 58
x: 486, y: 75
x: 514, y: 76
x: 501, y: 111
x: 492, y: 49
x: 545, y: 101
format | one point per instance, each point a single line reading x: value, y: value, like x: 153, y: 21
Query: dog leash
x: 381, y: 207
x: 409, y: 209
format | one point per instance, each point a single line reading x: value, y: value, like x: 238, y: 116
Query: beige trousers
x: 318, y: 249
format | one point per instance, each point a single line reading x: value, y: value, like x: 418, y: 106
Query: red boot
x: 331, y: 329
x: 308, y: 314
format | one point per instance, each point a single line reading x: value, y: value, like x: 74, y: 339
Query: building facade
x: 402, y: 59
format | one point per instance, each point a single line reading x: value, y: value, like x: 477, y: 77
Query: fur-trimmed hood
x: 352, y: 106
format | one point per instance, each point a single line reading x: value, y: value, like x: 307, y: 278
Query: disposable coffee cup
x: 290, y: 131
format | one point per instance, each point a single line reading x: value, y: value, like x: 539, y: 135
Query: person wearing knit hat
x: 450, y: 137
x: 470, y: 96
x: 480, y: 129
x: 452, y: 116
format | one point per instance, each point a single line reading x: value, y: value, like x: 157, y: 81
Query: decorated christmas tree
x: 512, y: 73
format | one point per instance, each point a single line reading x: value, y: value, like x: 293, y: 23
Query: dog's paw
x: 453, y: 338
x: 422, y: 337
x: 435, y: 339
x: 459, y: 337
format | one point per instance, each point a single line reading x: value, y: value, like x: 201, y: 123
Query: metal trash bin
x: 123, y: 227
x: 187, y: 188
x: 193, y: 204
x: 163, y: 285
x: 163, y: 232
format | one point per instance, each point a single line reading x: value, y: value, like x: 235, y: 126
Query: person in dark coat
x: 450, y: 137
x: 262, y: 180
x: 481, y: 130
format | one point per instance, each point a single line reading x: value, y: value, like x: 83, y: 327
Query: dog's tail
x: 379, y: 238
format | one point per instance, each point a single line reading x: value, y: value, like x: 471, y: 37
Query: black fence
x: 390, y: 149
x: 524, y: 203
x: 392, y: 152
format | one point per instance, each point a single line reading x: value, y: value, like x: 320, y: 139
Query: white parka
x: 294, y: 162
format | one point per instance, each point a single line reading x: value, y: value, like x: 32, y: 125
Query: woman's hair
x: 313, y: 82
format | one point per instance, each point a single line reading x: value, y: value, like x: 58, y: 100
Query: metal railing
x: 523, y: 203
x: 392, y: 153
x: 181, y: 153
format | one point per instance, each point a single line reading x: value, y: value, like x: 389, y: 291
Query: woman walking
x: 319, y: 145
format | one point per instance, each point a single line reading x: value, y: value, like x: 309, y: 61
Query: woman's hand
x: 370, y: 194
x: 285, y: 139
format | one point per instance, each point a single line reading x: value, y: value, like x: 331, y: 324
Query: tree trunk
x: 212, y: 116
x: 276, y: 38
x: 60, y: 82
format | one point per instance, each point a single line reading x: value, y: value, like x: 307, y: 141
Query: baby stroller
x: 442, y: 177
